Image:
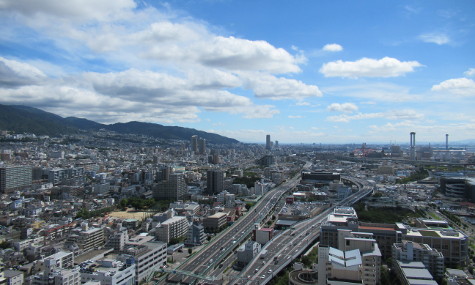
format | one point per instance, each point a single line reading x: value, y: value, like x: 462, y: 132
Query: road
x: 210, y: 257
x: 284, y: 248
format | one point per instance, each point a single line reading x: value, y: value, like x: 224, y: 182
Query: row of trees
x: 137, y: 203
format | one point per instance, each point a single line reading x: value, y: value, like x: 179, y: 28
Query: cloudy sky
x: 301, y: 71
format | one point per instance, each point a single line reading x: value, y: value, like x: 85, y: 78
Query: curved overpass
x: 286, y: 247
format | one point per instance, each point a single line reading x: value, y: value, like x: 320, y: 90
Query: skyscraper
x: 174, y: 188
x: 214, y: 182
x: 268, y: 142
x: 202, y: 146
x: 194, y: 144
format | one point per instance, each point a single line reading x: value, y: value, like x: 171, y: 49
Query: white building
x: 247, y: 252
x: 108, y: 272
x: 357, y: 260
x: 174, y: 227
x: 52, y: 274
x: 149, y: 257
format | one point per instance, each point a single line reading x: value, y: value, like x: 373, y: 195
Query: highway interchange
x: 210, y: 262
x: 284, y: 248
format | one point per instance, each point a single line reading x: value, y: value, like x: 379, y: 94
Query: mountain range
x: 24, y: 119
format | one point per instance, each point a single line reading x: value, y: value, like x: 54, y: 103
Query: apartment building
x: 413, y: 251
x: 14, y: 177
x: 87, y: 239
x: 149, y: 257
x: 174, y: 227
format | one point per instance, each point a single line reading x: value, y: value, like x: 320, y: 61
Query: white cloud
x: 404, y: 114
x: 368, y: 67
x: 344, y: 107
x: 141, y: 37
x: 294, y: 117
x: 242, y: 54
x: 175, y: 63
x: 391, y: 115
x: 435, y: 38
x: 470, y: 72
x: 276, y: 88
x: 332, y: 47
x: 15, y: 73
x: 134, y: 95
x: 411, y: 10
x: 457, y: 86
x: 77, y: 10
x: 360, y: 116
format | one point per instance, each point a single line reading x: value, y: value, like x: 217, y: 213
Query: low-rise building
x: 215, y: 222
x: 87, y: 239
x: 413, y: 272
x: 451, y: 243
x: 196, y: 235
x: 246, y: 253
x: 263, y: 235
x: 108, y: 272
x: 14, y: 277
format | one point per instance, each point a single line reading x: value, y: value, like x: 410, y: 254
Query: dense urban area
x: 113, y: 209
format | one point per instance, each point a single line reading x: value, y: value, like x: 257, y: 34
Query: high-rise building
x: 174, y: 188
x: 194, y: 144
x: 268, y: 142
x: 15, y: 177
x: 214, y: 182
x: 164, y: 173
x: 201, y: 146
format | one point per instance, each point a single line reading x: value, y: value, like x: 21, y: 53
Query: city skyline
x: 312, y: 72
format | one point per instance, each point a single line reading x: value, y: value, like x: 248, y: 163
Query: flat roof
x: 421, y: 282
x: 411, y: 264
x: 375, y: 228
x: 417, y: 273
x: 285, y: 222
x: 339, y: 219
x: 444, y: 233
x: 266, y: 229
x: 217, y: 215
x: 174, y: 219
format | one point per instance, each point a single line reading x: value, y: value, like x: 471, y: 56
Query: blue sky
x: 301, y: 71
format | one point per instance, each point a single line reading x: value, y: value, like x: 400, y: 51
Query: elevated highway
x: 210, y: 257
x: 286, y: 247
